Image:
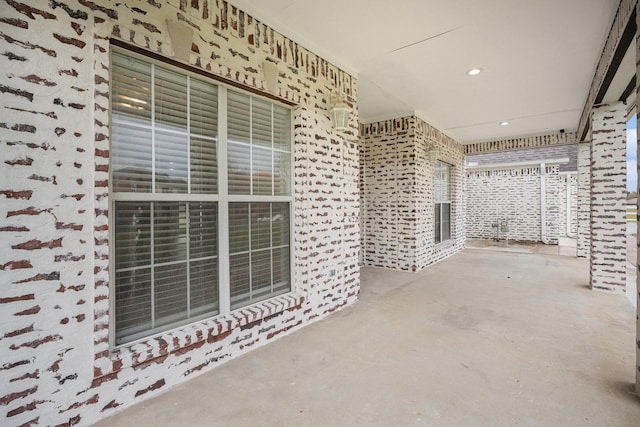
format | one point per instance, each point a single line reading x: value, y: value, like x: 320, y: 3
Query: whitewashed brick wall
x: 584, y: 201
x: 608, y: 198
x: 514, y: 193
x: 57, y: 366
x: 525, y: 142
x: 568, y: 201
x: 397, y: 191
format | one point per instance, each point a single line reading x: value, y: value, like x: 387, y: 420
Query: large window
x: 442, y: 186
x: 201, y: 197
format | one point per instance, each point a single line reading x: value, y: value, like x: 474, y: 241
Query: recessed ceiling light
x: 504, y: 123
x: 474, y: 71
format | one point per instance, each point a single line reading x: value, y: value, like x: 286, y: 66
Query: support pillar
x: 608, y: 198
x: 583, y: 249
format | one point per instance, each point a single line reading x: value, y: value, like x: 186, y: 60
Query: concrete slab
x: 483, y: 338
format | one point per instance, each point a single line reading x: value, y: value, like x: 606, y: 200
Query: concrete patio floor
x: 483, y: 338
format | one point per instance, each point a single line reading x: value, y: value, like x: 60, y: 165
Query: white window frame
x: 222, y: 198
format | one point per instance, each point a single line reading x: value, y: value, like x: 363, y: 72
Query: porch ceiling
x: 538, y: 57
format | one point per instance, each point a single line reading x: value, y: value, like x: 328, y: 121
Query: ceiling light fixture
x: 474, y: 71
x: 504, y: 123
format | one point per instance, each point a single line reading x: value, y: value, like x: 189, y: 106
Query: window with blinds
x: 442, y: 188
x: 171, y: 208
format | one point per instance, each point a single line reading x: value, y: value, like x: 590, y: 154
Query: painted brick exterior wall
x: 452, y: 153
x: 398, y: 199
x: 568, y: 200
x: 57, y: 366
x: 522, y: 142
x: 554, y: 226
x: 608, y: 199
x: 515, y: 194
x: 584, y: 201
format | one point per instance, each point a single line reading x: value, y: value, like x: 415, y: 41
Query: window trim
x: 222, y: 198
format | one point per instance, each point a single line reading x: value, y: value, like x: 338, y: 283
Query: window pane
x: 260, y: 225
x: 203, y: 230
x: 446, y: 221
x: 132, y: 234
x: 438, y: 223
x: 261, y: 274
x: 261, y: 123
x: 171, y: 99
x: 131, y: 155
x: 133, y: 302
x: 282, y: 128
x: 204, y: 287
x: 281, y: 270
x: 446, y: 184
x: 282, y: 174
x: 170, y: 232
x: 262, y: 175
x: 131, y: 87
x: 171, y: 162
x: 170, y: 293
x: 239, y: 280
x: 239, y: 168
x: 203, y: 108
x: 238, y: 227
x: 239, y: 117
x: 280, y: 224
x: 204, y: 166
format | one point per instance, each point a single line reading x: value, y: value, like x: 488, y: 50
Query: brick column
x: 584, y: 201
x: 608, y: 198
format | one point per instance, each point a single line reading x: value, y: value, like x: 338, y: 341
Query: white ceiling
x: 538, y: 57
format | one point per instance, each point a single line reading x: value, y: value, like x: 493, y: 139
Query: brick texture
x: 533, y: 141
x: 608, y: 199
x: 57, y: 367
x: 568, y: 202
x: 398, y: 198
x: 515, y: 194
x: 584, y: 201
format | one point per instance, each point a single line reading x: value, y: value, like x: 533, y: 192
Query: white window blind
x: 166, y: 198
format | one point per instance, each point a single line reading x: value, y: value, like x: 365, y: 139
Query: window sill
x: 181, y: 340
